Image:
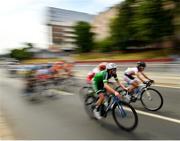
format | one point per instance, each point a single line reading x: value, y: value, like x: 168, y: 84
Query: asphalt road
x: 64, y: 117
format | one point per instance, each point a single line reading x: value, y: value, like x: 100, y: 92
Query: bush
x: 104, y: 45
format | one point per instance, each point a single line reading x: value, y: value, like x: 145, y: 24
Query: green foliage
x: 143, y: 21
x: 29, y: 45
x: 20, y: 54
x: 121, y: 29
x: 23, y: 53
x: 104, y: 45
x: 84, y: 37
x: 151, y: 22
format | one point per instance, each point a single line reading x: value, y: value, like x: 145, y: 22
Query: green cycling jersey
x: 101, y: 78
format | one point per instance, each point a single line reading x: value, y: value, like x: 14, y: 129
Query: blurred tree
x: 104, y: 45
x: 121, y: 29
x: 29, y: 45
x: 84, y: 37
x: 141, y: 22
x: 20, y: 54
x: 151, y: 21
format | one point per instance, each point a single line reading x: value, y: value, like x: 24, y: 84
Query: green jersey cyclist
x: 100, y: 82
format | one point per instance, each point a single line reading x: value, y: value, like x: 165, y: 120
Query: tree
x: 151, y: 22
x: 84, y: 37
x: 20, y: 54
x: 29, y: 45
x: 140, y: 22
x: 121, y: 30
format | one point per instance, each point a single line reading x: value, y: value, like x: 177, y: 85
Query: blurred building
x: 102, y: 22
x: 60, y: 24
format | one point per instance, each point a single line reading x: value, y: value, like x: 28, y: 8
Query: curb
x: 165, y: 60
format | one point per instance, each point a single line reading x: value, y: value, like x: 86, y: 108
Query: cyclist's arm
x: 145, y: 76
x: 120, y: 84
x: 138, y: 76
x: 108, y: 88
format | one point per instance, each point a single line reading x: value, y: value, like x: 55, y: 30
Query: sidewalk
x: 5, y: 132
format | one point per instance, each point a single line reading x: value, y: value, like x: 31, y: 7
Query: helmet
x: 110, y: 66
x: 102, y: 66
x: 141, y: 64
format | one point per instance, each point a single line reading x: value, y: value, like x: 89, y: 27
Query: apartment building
x: 60, y: 24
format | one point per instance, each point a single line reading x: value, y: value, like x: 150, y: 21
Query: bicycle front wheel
x: 125, y: 116
x: 151, y: 99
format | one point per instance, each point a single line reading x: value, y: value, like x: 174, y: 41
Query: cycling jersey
x: 131, y: 71
x: 101, y: 78
x: 43, y: 74
x: 91, y: 75
x: 129, y: 75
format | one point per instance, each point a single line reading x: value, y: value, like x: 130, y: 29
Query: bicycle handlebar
x: 149, y: 83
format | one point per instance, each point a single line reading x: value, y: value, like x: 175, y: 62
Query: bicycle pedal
x: 133, y: 99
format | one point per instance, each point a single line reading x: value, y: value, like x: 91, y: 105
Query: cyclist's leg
x: 132, y: 86
x: 98, y: 88
x: 100, y: 98
x: 133, y: 83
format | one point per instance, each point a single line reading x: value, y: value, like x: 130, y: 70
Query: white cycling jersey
x: 131, y: 71
x: 129, y: 75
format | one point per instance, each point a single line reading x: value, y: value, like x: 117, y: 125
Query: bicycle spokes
x: 122, y: 113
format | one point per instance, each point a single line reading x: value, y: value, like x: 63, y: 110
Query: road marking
x: 166, y: 86
x: 138, y: 111
x: 158, y: 116
x: 61, y: 92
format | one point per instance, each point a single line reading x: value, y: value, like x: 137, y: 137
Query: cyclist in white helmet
x: 100, y: 82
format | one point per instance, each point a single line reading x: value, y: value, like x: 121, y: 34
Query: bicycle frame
x: 112, y: 100
x: 143, y: 87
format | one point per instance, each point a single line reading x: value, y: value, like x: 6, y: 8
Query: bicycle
x: 87, y: 89
x: 123, y: 113
x: 150, y: 98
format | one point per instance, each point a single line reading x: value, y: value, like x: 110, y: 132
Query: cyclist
x: 44, y: 73
x: 68, y: 66
x: 100, y: 83
x: 133, y: 76
x: 56, y: 68
x: 100, y: 67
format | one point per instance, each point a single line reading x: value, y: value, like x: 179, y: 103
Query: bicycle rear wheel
x: 84, y: 91
x: 89, y: 104
x: 151, y: 99
x: 125, y: 116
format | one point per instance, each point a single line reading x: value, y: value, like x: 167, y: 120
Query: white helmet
x: 110, y: 66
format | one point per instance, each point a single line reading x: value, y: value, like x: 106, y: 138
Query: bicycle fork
x: 121, y: 111
x: 148, y: 95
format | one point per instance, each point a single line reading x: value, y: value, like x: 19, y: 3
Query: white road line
x: 158, y: 116
x: 166, y: 86
x: 62, y: 92
x: 138, y: 111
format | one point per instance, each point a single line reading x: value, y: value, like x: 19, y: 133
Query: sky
x: 24, y: 20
